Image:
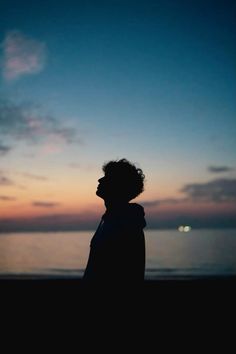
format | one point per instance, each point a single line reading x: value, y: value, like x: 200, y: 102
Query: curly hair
x: 129, y: 177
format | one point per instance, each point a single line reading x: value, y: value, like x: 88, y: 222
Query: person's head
x: 122, y: 181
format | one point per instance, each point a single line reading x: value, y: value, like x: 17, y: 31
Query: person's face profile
x: 103, y: 187
x: 107, y: 187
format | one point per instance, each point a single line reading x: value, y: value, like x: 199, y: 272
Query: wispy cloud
x: 5, y: 181
x: 45, y: 204
x: 27, y: 122
x: 22, y: 55
x: 35, y: 177
x: 167, y: 201
x: 4, y: 149
x: 75, y: 165
x: 86, y: 167
x: 6, y: 198
x: 220, y: 169
x: 218, y: 190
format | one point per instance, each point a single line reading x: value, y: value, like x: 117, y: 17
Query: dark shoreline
x: 78, y: 277
x: 161, y: 283
x: 41, y: 278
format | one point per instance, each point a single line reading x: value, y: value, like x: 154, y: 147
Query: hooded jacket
x: 117, y: 249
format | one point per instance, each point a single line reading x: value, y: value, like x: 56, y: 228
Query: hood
x: 136, y: 214
x: 132, y: 214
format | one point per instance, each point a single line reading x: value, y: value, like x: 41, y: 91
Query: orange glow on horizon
x: 21, y: 209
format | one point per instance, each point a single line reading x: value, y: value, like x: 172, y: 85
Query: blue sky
x: 153, y: 81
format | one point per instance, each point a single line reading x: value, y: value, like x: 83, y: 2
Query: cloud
x: 74, y: 165
x: 219, y: 169
x: 35, y: 177
x: 167, y: 201
x: 4, y: 149
x: 22, y: 55
x: 5, y: 181
x: 6, y: 198
x: 85, y: 167
x: 26, y: 122
x: 45, y: 204
x: 218, y: 190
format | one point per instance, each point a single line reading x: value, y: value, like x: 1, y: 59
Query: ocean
x: 169, y: 254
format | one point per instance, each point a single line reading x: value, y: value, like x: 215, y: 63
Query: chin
x: 99, y: 194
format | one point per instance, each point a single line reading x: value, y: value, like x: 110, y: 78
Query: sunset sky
x: 85, y: 82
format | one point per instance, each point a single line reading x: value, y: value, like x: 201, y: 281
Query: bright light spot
x: 184, y: 228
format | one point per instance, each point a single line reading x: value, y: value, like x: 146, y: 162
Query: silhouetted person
x: 117, y: 249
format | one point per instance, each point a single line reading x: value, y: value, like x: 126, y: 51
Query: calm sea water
x: 169, y: 253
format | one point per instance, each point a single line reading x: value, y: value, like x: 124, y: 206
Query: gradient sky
x: 84, y: 82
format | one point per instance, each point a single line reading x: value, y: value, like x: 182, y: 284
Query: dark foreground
x: 157, y: 302
x: 213, y: 286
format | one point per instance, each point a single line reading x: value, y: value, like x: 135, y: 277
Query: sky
x: 86, y: 82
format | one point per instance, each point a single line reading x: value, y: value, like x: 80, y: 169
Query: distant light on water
x: 185, y: 228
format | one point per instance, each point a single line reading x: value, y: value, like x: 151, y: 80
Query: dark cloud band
x: 5, y: 181
x: 45, y: 204
x: 219, y: 169
x: 6, y: 198
x: 218, y: 190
